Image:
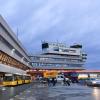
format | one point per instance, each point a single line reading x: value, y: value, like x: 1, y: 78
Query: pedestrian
x: 48, y: 81
x: 66, y: 81
x: 53, y: 81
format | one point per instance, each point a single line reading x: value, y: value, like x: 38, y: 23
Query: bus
x: 27, y: 79
x: 14, y: 80
x: 10, y: 80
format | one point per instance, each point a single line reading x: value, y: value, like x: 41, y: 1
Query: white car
x: 93, y: 81
x: 60, y: 78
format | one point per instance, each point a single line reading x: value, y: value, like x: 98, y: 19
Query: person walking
x: 66, y: 81
x: 53, y: 81
x: 48, y: 81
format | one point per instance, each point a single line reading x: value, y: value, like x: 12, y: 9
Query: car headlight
x: 93, y: 82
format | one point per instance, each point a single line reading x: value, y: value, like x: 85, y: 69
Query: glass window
x: 8, y: 78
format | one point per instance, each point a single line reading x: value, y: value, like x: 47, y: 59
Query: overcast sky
x: 68, y: 21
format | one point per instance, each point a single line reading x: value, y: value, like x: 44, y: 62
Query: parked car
x: 93, y: 82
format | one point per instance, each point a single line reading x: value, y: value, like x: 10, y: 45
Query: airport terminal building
x: 57, y: 56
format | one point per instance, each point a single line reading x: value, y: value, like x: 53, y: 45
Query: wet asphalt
x: 39, y: 91
x: 8, y: 92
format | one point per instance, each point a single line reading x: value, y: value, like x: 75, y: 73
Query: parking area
x: 59, y: 92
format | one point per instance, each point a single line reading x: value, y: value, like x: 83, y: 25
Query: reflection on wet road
x: 7, y: 92
x: 58, y: 92
x: 96, y: 93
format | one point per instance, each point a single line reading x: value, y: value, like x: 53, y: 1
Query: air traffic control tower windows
x: 45, y: 45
